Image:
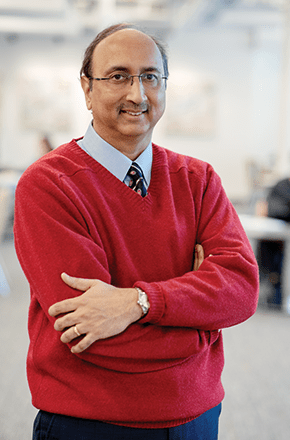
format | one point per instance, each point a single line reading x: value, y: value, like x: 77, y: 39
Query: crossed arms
x: 185, y: 310
x: 101, y: 312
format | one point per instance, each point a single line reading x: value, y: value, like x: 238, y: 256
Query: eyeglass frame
x: 129, y: 77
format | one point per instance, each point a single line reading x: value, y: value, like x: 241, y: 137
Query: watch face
x: 143, y: 301
x: 145, y: 304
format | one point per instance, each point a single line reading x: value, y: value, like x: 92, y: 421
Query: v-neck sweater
x: 72, y: 215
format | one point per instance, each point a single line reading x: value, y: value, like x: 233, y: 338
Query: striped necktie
x: 137, y: 182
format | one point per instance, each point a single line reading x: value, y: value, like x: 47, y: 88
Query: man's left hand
x: 101, y: 312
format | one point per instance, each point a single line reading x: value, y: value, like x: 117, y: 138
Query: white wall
x: 245, y: 74
x: 40, y: 64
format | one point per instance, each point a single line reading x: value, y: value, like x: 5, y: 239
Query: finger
x: 65, y: 306
x: 70, y: 334
x: 200, y: 252
x: 82, y: 284
x: 83, y: 344
x: 65, y: 321
x: 199, y: 256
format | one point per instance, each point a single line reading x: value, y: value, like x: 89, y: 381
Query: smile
x: 133, y: 113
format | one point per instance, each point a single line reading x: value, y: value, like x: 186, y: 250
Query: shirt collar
x: 112, y: 159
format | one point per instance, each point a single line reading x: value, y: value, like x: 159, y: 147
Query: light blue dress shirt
x: 112, y: 159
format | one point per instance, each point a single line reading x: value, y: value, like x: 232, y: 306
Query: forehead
x: 127, y: 48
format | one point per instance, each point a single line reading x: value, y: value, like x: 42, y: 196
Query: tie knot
x: 135, y: 170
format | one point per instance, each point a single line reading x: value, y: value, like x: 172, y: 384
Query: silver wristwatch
x: 143, y: 301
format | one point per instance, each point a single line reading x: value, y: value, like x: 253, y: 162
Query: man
x: 140, y: 353
x: 270, y: 255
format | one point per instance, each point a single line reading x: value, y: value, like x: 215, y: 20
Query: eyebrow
x: 125, y: 69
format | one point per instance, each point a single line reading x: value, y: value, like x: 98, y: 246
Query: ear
x: 85, y: 82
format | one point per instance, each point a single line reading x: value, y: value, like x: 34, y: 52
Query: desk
x: 265, y: 228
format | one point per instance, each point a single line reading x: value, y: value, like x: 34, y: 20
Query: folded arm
x: 101, y: 312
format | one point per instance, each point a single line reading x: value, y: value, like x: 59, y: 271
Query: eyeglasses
x: 149, y: 80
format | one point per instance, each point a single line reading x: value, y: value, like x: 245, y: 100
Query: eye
x: 118, y: 77
x: 150, y: 77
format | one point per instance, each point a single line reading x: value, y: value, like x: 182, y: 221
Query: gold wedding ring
x: 76, y: 331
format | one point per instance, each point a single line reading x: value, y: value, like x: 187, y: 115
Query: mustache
x: 143, y: 107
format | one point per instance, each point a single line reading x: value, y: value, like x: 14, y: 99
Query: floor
x: 256, y: 375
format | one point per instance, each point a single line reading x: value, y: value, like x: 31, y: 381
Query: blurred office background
x: 227, y: 103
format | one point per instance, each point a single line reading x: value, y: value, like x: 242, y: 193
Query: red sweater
x: 73, y: 215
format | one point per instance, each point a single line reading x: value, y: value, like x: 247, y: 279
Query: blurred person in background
x: 45, y: 145
x: 270, y: 258
x: 135, y: 258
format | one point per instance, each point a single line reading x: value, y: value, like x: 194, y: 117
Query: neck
x: 131, y: 151
x: 130, y: 146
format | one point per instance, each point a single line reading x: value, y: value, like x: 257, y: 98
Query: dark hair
x: 86, y: 68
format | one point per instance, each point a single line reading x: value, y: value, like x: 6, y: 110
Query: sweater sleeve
x: 52, y: 236
x: 224, y: 291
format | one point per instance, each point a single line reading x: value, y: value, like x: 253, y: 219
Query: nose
x: 135, y: 91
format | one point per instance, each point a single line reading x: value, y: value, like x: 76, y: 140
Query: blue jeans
x: 49, y: 426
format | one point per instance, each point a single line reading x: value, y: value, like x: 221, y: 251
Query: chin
x: 135, y: 132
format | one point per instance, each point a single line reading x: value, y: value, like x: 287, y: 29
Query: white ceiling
x: 73, y: 17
